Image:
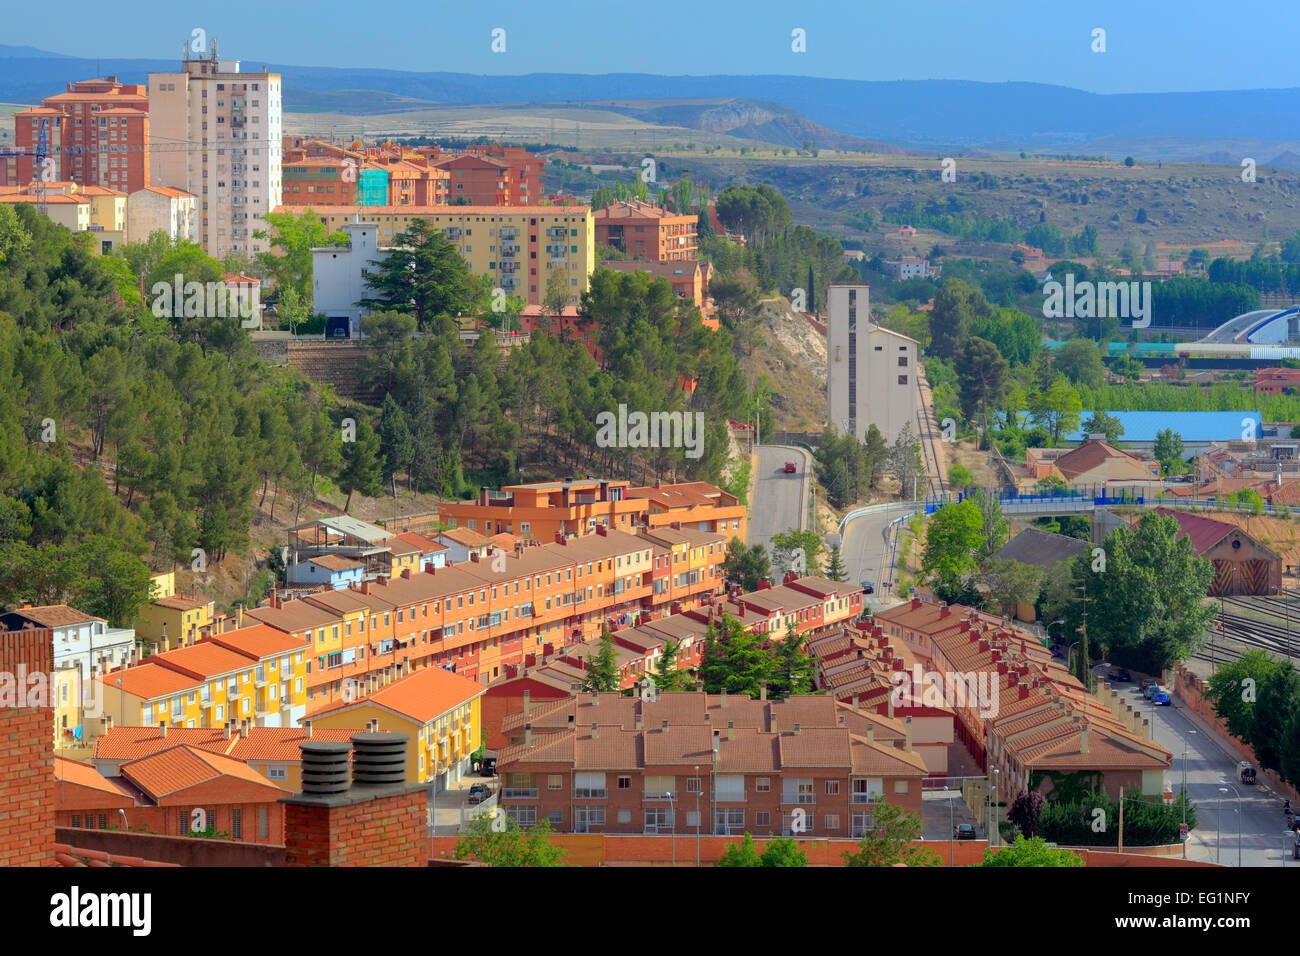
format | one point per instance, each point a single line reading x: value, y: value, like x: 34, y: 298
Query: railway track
x: 1252, y: 632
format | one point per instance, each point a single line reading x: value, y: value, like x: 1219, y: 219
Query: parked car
x: 964, y: 831
x: 1149, y: 687
x: 790, y: 468
x: 868, y: 587
x: 1161, y: 698
x: 488, y: 768
x: 1246, y: 771
x: 478, y: 793
x: 1121, y: 676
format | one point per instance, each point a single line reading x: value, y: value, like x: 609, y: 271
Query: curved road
x: 780, y: 501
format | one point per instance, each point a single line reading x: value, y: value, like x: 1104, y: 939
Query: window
x: 554, y: 781
x: 832, y: 788
x: 555, y: 818
x: 902, y: 380
x: 805, y: 825
x: 728, y: 820
x: 586, y: 817
x: 625, y: 816
x: 900, y: 786
x: 262, y: 829
x: 625, y: 783
x: 523, y: 816
x: 832, y: 822
x: 861, y: 823
x: 589, y: 785
x: 236, y: 823
x: 276, y: 773
x: 763, y: 785
x: 658, y: 818
x: 692, y: 784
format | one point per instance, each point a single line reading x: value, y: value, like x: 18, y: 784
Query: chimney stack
x: 796, y: 728
x: 762, y: 691
x: 378, y: 759
x: 528, y: 735
x: 731, y: 730
x: 664, y: 727
x: 306, y: 728
x: 325, y: 765
x: 907, y: 737
x: 595, y: 730
x: 528, y: 704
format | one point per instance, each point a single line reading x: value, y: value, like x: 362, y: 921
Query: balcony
x: 660, y: 797
x: 865, y: 798
x: 730, y: 796
x: 519, y: 793
x: 591, y: 794
x: 806, y: 799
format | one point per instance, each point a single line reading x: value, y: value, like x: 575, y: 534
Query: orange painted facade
x: 648, y: 232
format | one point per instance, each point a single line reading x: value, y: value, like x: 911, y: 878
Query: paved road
x: 865, y: 555
x: 780, y: 500
x: 1229, y: 331
x: 1215, y: 835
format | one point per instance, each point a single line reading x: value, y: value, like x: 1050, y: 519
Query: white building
x: 871, y: 371
x: 83, y: 644
x: 914, y: 267
x: 338, y: 274
x: 165, y: 209
x: 216, y: 133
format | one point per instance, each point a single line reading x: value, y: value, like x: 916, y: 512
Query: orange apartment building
x: 490, y: 175
x: 688, y: 762
x: 541, y: 510
x: 648, y: 232
x: 97, y: 133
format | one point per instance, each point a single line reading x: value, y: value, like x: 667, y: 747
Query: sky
x: 1150, y: 45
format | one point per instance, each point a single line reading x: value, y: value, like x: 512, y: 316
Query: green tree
x: 893, y: 839
x: 959, y: 476
x: 734, y: 659
x: 602, y: 668
x: 1010, y: 583
x: 957, y: 304
x: 982, y: 378
x: 1168, y: 450
x: 1031, y: 852
x: 952, y: 542
x: 395, y: 442
x: 742, y: 853
x: 667, y: 675
x: 424, y: 275
x: 1057, y: 408
x: 905, y: 461
x: 782, y: 851
x: 835, y: 566
x: 362, y: 466
x: 1145, y: 607
x: 1079, y: 360
x: 793, y: 669
x: 745, y: 567
x: 292, y: 237
x: 794, y: 548
x: 1099, y: 423
x: 510, y: 846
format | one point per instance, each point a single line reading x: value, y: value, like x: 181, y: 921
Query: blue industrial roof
x: 1190, y: 426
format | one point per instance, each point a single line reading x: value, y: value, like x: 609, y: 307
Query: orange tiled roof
x: 419, y: 697
x: 180, y: 767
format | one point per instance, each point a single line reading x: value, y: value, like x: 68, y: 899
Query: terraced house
x: 688, y: 762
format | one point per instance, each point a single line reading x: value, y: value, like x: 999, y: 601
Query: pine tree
x: 602, y: 670
x: 395, y: 442
x: 666, y: 675
x: 835, y: 568
x: 792, y: 668
x: 362, y: 465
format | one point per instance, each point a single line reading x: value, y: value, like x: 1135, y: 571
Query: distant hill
x: 949, y: 112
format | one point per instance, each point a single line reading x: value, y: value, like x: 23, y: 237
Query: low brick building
x: 688, y: 762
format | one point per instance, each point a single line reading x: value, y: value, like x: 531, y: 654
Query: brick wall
x: 26, y: 755
x: 387, y: 830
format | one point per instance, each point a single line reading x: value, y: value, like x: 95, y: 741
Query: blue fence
x: 1096, y: 494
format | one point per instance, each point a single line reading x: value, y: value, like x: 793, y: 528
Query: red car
x: 790, y: 468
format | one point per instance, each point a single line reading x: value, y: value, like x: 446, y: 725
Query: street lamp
x: 1224, y: 789
x: 672, y: 815
x: 950, y: 827
x: 1183, y: 795
x: 698, y: 818
x: 993, y: 830
x: 125, y: 826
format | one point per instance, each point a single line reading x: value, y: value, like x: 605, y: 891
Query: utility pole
x: 1121, y: 819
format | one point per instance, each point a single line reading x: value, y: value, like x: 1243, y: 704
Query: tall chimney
x: 528, y: 735
x: 762, y: 691
x: 731, y: 730
x: 595, y: 730
x: 1083, y: 738
x: 306, y: 728
x: 796, y: 728
x: 528, y: 704
x: 664, y: 726
x: 723, y: 699
x: 907, y: 736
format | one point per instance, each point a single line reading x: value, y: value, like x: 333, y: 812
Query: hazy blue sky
x: 1150, y: 46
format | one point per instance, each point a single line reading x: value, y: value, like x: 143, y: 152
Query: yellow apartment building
x: 440, y: 712
x: 517, y: 246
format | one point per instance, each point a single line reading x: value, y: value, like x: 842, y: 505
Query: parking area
x: 942, y: 811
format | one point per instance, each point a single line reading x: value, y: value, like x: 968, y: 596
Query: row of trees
x: 1258, y: 697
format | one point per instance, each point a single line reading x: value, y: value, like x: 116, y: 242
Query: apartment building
x: 173, y: 212
x: 438, y: 711
x: 180, y: 617
x: 217, y: 134
x: 693, y: 762
x: 490, y: 174
x: 647, y: 231
x: 96, y: 134
x: 518, y: 247
x: 871, y: 371
x: 539, y: 510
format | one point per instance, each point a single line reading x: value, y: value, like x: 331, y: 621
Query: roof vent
x: 325, y: 766
x: 379, y: 759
